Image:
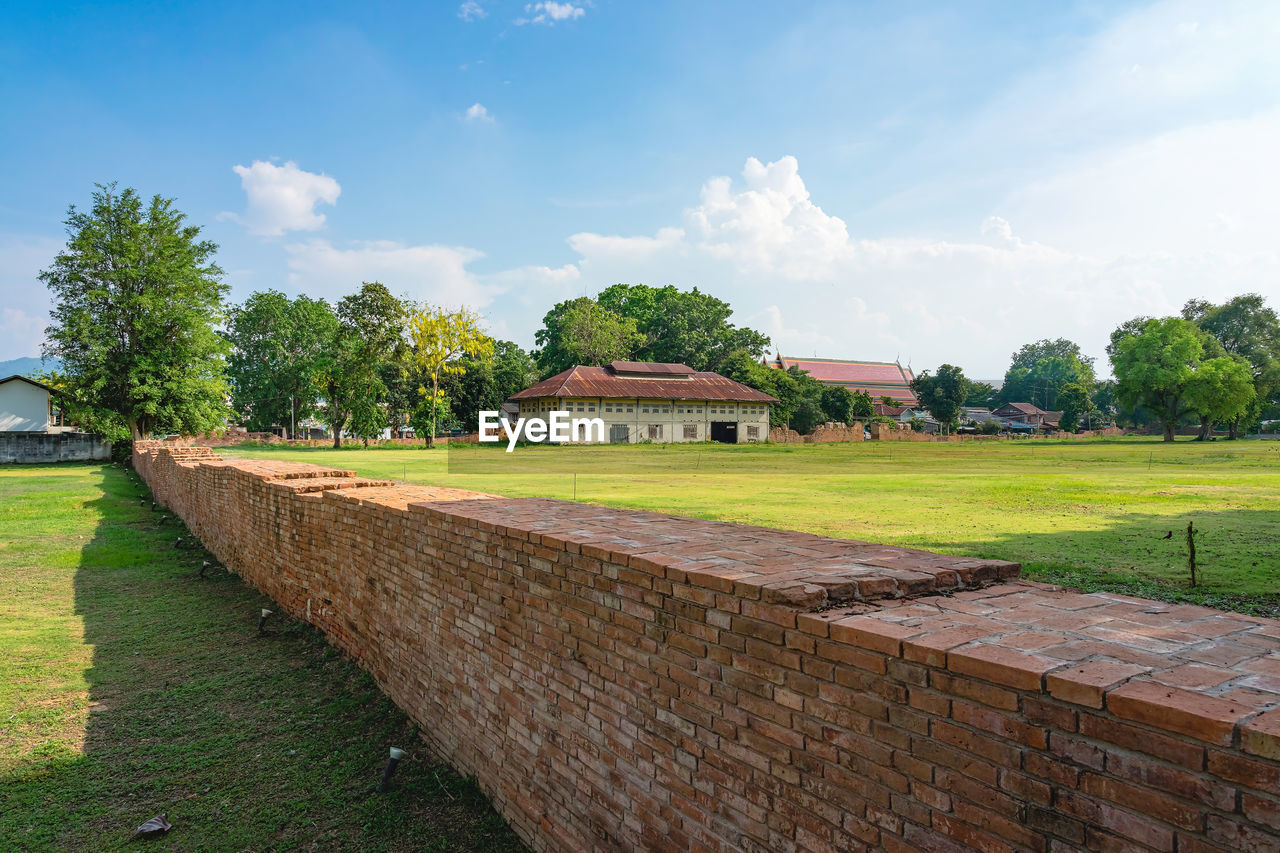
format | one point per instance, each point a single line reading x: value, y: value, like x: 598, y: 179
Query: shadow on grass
x: 1237, y: 558
x: 247, y: 742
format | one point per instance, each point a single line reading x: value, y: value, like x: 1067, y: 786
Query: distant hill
x: 26, y: 366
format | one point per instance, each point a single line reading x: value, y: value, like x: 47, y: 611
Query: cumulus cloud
x: 550, y: 13
x: 472, y: 11
x: 437, y: 274
x: 283, y: 198
x: 793, y: 270
x: 477, y: 112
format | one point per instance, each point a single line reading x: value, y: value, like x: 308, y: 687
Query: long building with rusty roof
x: 651, y: 401
x: 877, y: 378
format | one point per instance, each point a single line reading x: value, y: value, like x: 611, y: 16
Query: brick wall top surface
x: 779, y: 566
x: 1192, y: 670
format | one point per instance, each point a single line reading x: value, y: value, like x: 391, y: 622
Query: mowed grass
x: 1088, y: 513
x: 130, y: 687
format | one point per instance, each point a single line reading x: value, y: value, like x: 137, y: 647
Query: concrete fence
x: 46, y: 447
x: 621, y: 680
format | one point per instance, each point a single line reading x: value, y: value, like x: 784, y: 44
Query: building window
x: 691, y: 431
x: 753, y: 432
x: 655, y: 432
x: 630, y: 408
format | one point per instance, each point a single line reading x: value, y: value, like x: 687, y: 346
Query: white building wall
x: 23, y: 407
x: 670, y: 417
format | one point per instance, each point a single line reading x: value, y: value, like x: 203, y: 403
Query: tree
x: 982, y: 395
x: 370, y: 335
x: 836, y: 403
x: 682, y: 327
x: 1075, y: 402
x: 1245, y: 327
x: 485, y: 384
x: 579, y: 331
x: 278, y: 346
x: 1154, y: 364
x: 440, y: 338
x: 942, y: 394
x: 136, y: 300
x: 1040, y: 371
x: 1221, y: 389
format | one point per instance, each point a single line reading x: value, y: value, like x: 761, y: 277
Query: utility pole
x: 293, y: 419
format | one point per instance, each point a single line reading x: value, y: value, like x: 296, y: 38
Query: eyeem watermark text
x: 560, y: 428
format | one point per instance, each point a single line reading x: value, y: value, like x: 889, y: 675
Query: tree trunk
x: 1168, y: 430
x: 1206, y: 428
x: 1233, y: 430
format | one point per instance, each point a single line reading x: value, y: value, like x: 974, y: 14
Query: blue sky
x: 936, y: 183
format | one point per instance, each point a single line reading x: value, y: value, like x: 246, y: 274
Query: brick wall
x: 623, y: 680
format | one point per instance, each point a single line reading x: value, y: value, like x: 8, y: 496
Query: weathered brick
x: 1001, y: 666
x: 1088, y: 683
x: 1172, y: 709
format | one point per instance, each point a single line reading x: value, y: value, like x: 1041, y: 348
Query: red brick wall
x: 628, y: 680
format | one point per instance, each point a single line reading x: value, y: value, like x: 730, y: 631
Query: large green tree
x: 1244, y: 326
x: 370, y: 337
x: 278, y: 349
x: 579, y: 331
x: 137, y: 299
x: 683, y: 327
x: 1039, y: 371
x: 1162, y: 364
x: 943, y: 394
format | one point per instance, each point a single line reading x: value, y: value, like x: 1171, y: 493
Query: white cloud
x: 283, y: 198
x: 436, y: 274
x: 792, y: 269
x: 472, y: 11
x: 550, y: 13
x: 477, y: 112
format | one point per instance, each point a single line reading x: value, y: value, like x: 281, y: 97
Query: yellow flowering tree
x: 440, y: 338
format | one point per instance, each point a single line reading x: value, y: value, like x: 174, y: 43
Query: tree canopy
x: 136, y: 301
x: 369, y: 341
x: 1039, y: 371
x: 440, y: 339
x: 1246, y: 327
x: 943, y: 393
x: 279, y: 347
x: 636, y: 322
x: 1162, y: 364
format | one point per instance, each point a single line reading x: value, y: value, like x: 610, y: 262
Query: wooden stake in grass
x: 1191, y: 551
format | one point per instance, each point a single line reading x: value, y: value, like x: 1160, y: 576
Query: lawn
x: 1097, y: 514
x: 131, y: 687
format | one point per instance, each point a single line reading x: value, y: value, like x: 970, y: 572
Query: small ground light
x: 392, y: 761
x: 204, y: 566
x: 262, y: 620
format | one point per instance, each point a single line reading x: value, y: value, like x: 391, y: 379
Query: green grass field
x: 129, y: 687
x: 1086, y: 513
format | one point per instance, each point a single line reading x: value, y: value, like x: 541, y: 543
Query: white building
x: 24, y: 405
x: 650, y: 401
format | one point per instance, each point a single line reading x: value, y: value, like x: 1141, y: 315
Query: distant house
x: 877, y: 378
x: 24, y: 405
x: 651, y: 401
x: 1030, y: 415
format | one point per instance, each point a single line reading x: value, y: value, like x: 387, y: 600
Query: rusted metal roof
x: 660, y: 368
x: 603, y: 382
